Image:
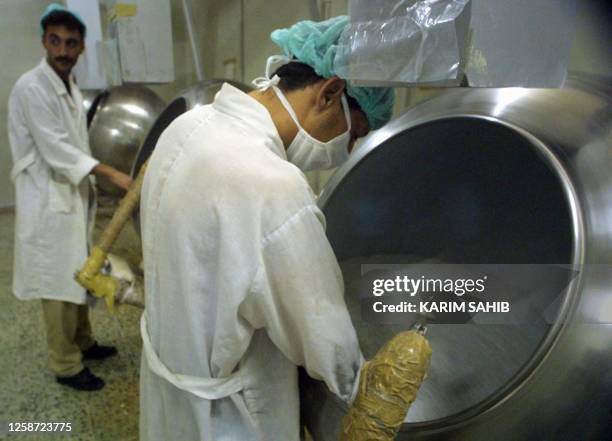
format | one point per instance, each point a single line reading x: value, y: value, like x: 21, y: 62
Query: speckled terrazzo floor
x: 28, y: 391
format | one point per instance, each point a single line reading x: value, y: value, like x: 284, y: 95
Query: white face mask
x: 309, y: 153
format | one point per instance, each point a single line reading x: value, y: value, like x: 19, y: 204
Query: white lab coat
x: 241, y: 282
x: 51, y: 164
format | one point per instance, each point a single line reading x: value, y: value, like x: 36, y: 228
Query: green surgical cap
x: 315, y: 44
x: 56, y: 7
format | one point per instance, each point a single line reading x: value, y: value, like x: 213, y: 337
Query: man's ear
x: 331, y: 90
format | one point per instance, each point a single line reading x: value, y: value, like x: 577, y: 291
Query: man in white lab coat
x: 55, y: 201
x: 241, y: 283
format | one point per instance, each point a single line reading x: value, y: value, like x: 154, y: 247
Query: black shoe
x: 98, y: 352
x: 84, y: 380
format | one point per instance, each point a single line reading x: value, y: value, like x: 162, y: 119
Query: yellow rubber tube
x: 387, y: 387
x: 89, y: 276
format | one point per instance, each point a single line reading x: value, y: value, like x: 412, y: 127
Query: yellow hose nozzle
x: 89, y: 277
x: 387, y: 387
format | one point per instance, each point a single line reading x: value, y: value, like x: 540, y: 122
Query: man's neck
x: 65, y: 77
x: 67, y: 84
x: 280, y: 117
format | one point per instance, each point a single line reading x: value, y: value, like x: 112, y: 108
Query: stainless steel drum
x: 123, y: 118
x: 489, y: 176
x: 196, y: 95
x: 91, y: 102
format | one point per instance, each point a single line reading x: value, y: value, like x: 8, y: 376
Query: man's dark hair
x: 63, y: 18
x: 296, y: 75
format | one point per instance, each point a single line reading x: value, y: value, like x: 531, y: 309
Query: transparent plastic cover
x: 520, y: 42
x: 403, y: 42
x: 484, y: 43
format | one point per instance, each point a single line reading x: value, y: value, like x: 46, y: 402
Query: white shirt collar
x: 236, y: 103
x: 56, y: 81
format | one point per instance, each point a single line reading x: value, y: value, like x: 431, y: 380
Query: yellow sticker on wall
x: 122, y: 10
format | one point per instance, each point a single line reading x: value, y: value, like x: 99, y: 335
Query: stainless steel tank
x: 91, y: 101
x: 489, y: 176
x: 199, y: 94
x: 123, y: 118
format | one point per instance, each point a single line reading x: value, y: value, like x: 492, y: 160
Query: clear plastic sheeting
x: 520, y: 42
x: 480, y: 43
x: 403, y: 42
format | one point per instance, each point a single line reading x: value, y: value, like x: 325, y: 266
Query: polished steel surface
x: 198, y: 94
x: 124, y: 116
x: 489, y: 176
x: 91, y: 101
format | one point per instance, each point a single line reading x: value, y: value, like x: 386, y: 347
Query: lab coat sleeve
x: 52, y: 138
x: 297, y: 295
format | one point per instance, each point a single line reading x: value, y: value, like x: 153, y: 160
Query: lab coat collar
x: 56, y: 81
x: 234, y: 102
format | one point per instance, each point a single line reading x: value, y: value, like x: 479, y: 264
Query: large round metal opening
x: 92, y: 101
x: 462, y: 190
x: 198, y: 94
x: 176, y: 108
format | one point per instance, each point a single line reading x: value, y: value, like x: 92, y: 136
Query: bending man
x: 241, y: 283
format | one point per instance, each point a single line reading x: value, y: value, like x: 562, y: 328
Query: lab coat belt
x: 22, y: 164
x: 203, y: 387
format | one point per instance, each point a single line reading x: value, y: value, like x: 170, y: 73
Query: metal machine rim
x: 519, y: 380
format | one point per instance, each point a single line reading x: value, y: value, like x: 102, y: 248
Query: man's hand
x: 117, y: 178
x: 121, y: 180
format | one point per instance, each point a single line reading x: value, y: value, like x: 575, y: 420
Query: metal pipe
x: 242, y: 50
x: 315, y: 14
x: 325, y: 11
x: 197, y: 62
